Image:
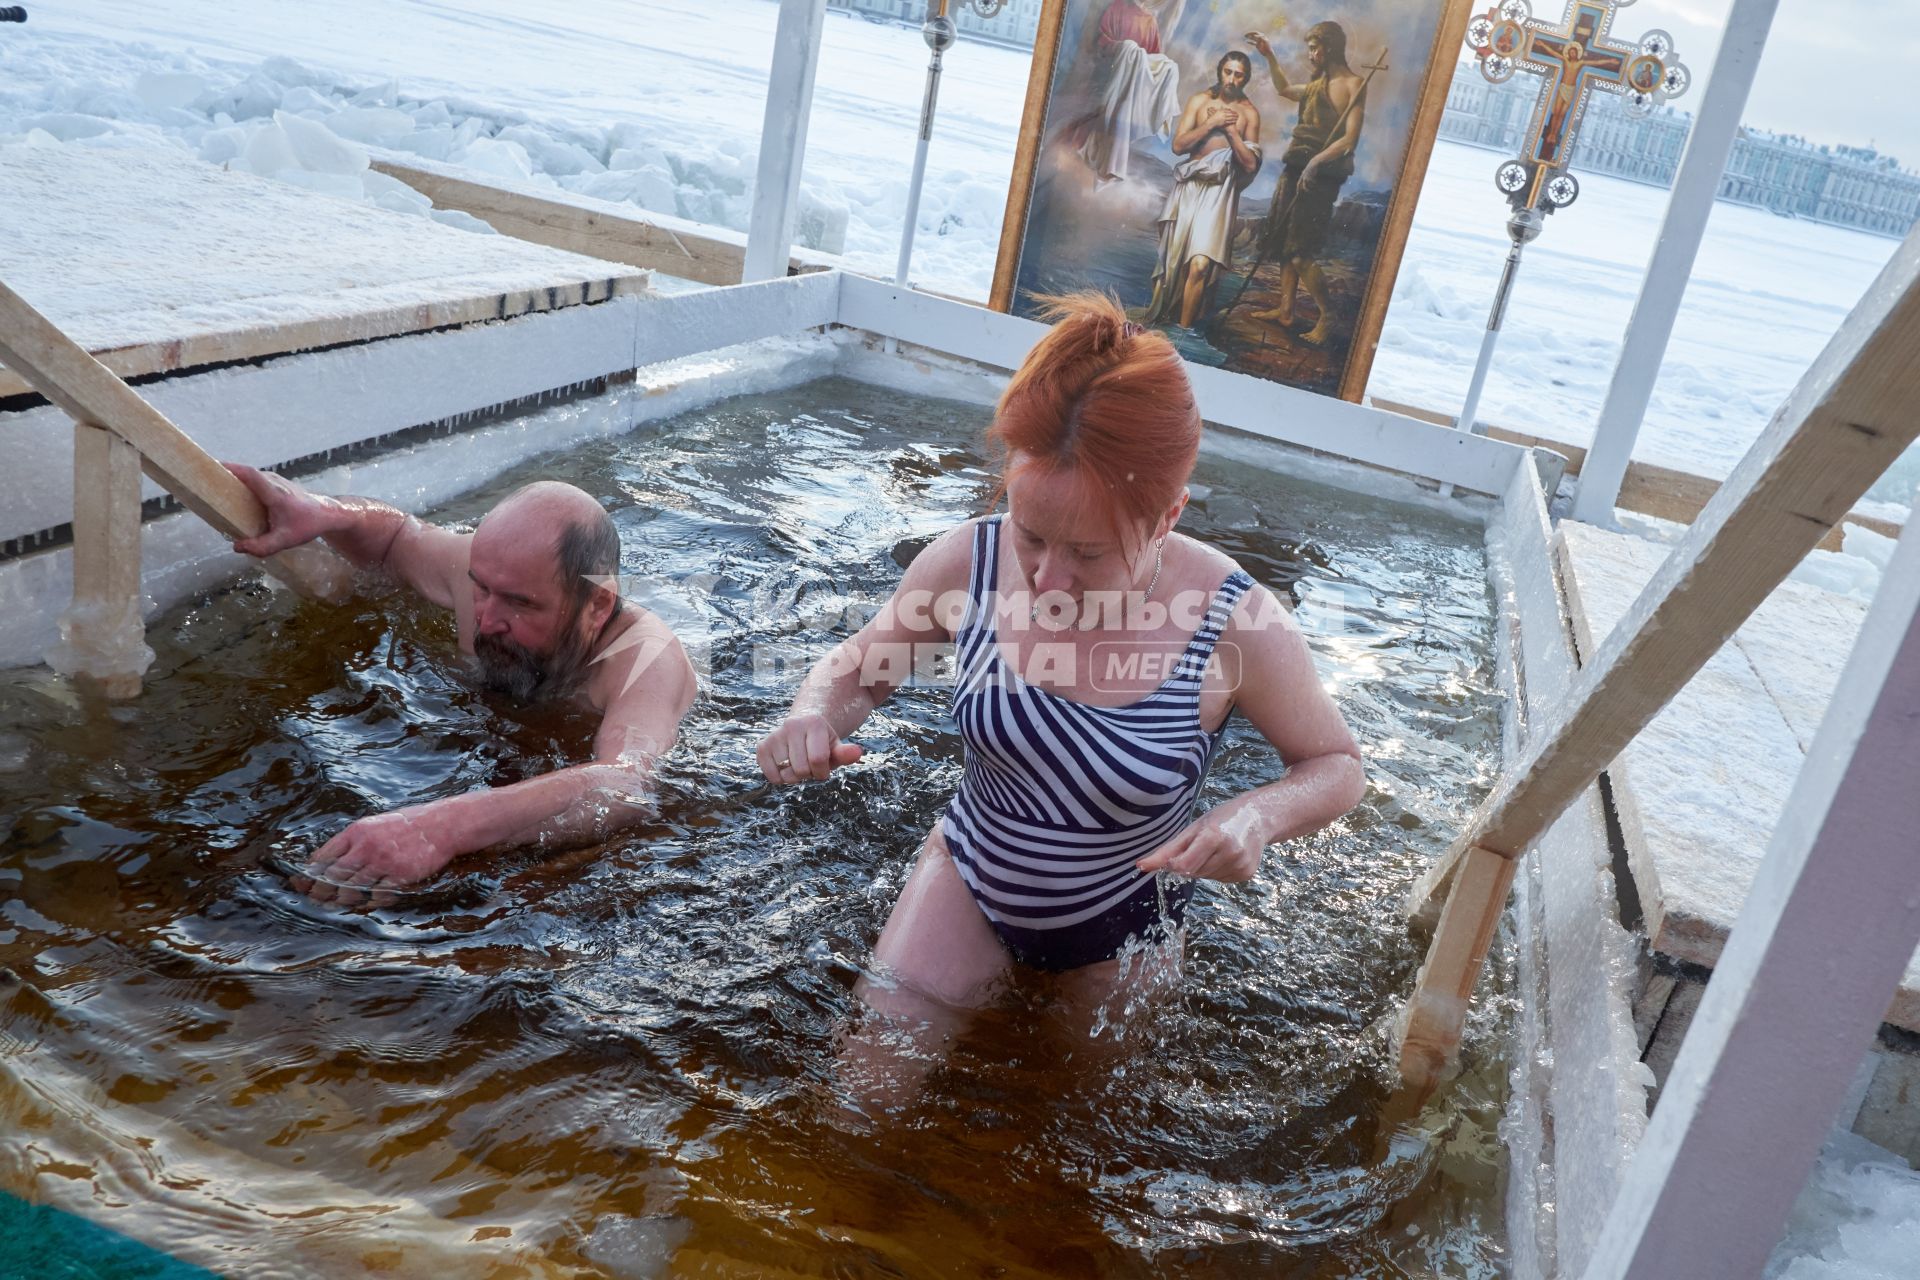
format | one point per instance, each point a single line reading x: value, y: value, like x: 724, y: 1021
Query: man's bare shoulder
x: 643, y: 649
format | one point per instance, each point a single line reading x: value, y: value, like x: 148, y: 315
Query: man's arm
x: 1291, y: 92
x: 369, y: 533
x: 581, y: 804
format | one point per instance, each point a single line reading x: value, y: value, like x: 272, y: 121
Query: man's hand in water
x: 1226, y: 845
x: 804, y: 747
x: 376, y: 855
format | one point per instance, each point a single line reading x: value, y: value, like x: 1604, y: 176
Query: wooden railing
x: 597, y: 228
x: 1845, y: 423
x: 117, y: 435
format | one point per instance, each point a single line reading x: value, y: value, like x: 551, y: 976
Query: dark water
x: 617, y: 1061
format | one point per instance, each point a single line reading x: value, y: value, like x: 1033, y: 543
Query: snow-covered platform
x: 157, y: 262
x: 1699, y: 792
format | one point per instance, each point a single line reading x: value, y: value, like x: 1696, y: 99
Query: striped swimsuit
x: 1060, y: 798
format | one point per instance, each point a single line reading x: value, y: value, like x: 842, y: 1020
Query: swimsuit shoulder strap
x: 1219, y: 609
x: 983, y: 576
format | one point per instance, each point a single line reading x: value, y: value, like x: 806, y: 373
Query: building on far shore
x: 1853, y: 187
x: 1015, y: 24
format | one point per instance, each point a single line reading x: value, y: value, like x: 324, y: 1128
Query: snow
x: 659, y: 103
x: 176, y: 249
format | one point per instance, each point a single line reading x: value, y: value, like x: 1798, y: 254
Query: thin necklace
x: 1159, y: 554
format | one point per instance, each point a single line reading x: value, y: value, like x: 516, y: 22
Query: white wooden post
x: 1806, y: 976
x: 102, y: 635
x: 783, y: 138
x: 1688, y: 207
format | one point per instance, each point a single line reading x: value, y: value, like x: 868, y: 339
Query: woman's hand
x: 1226, y: 845
x: 804, y: 747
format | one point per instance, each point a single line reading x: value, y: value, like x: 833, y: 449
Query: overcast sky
x: 1834, y: 70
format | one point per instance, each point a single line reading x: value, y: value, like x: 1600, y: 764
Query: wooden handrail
x: 62, y: 371
x: 1851, y: 415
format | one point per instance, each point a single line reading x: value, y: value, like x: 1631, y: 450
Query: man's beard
x: 521, y: 674
x: 1232, y: 93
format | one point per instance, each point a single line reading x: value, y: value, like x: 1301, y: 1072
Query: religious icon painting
x: 1239, y: 173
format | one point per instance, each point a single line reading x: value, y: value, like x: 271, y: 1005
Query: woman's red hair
x: 1107, y: 401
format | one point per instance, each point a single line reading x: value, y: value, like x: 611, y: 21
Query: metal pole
x: 1694, y: 188
x: 783, y: 138
x: 939, y: 33
x: 1522, y: 228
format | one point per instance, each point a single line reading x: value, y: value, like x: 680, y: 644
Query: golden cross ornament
x: 1575, y: 59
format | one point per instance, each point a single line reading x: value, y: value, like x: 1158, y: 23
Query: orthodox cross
x: 1574, y: 59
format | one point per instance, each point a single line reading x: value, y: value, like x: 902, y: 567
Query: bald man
x: 535, y: 598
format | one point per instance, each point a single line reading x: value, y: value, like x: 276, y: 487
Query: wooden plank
x: 1781, y: 1030
x: 1254, y: 405
x: 783, y: 138
x: 1648, y: 488
x: 81, y: 385
x: 1690, y: 200
x: 602, y: 229
x: 104, y: 637
x: 713, y: 319
x: 1743, y: 725
x: 263, y: 341
x: 1430, y: 1024
x: 298, y: 405
x: 1844, y: 424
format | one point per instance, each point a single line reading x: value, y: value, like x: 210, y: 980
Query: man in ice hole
x: 535, y: 599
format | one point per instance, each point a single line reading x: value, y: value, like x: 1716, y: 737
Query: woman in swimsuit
x: 1098, y: 655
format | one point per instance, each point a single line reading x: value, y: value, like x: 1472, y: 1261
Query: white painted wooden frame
x: 298, y: 405
x: 783, y: 138
x: 1688, y: 207
x: 1814, y: 958
x: 1291, y: 416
